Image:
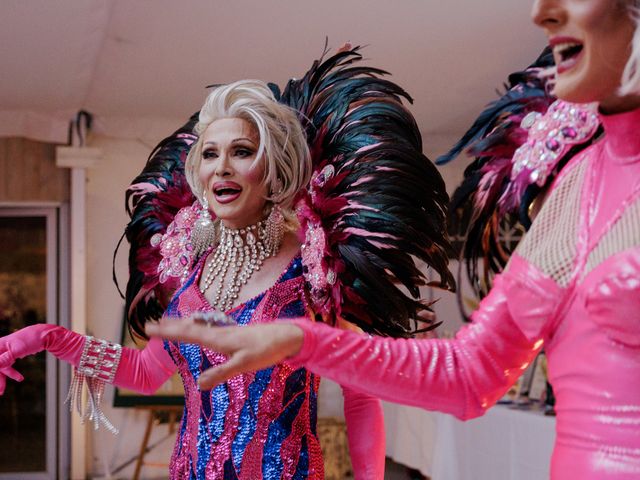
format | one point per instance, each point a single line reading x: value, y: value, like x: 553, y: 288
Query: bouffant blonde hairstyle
x: 282, y: 142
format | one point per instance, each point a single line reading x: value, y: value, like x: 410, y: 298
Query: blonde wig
x: 282, y: 141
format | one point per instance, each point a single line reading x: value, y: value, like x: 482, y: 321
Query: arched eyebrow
x: 243, y: 139
x: 234, y: 141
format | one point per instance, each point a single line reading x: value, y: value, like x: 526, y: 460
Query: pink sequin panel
x: 256, y: 426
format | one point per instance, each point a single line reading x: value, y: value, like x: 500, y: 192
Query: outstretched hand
x: 249, y: 348
x: 7, y: 358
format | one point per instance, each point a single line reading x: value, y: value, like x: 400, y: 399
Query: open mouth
x: 567, y: 51
x: 226, y: 192
x: 567, y: 54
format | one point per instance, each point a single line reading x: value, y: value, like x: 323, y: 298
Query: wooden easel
x: 154, y: 412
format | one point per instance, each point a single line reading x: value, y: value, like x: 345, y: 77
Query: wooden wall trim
x: 28, y: 172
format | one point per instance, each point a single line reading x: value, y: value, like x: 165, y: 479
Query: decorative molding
x: 78, y: 283
x: 78, y: 159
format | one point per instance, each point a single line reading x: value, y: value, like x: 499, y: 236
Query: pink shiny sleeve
x: 462, y: 376
x: 365, y: 434
x: 145, y: 370
x: 141, y: 370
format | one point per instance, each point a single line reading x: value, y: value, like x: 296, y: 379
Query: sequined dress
x: 255, y: 426
x: 572, y: 286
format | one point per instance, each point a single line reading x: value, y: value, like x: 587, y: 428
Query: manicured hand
x: 249, y: 348
x: 16, y: 345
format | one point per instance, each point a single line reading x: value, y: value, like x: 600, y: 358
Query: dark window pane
x: 23, y: 299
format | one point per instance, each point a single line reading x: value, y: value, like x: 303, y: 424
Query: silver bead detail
x: 239, y: 254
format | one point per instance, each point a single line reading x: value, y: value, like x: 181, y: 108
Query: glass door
x: 29, y: 279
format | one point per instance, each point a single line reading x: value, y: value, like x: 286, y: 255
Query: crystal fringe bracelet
x: 98, y: 366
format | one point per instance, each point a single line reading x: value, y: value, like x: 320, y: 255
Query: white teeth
x: 227, y: 192
x: 562, y: 47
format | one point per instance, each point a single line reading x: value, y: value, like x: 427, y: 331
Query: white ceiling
x: 140, y: 59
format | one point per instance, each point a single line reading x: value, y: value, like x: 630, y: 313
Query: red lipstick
x: 226, y: 192
x: 567, y: 52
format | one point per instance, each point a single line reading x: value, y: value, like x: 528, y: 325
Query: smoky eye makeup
x: 209, y: 153
x: 244, y: 152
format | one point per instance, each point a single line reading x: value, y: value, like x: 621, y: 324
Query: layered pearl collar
x: 239, y: 254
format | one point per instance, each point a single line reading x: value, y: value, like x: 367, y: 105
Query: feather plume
x: 152, y: 201
x: 493, y: 139
x: 376, y: 202
x: 487, y: 203
x: 376, y: 206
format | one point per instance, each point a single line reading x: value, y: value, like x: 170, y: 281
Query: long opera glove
x: 145, y: 370
x: 365, y: 433
x: 462, y: 376
x: 30, y: 340
x: 141, y: 370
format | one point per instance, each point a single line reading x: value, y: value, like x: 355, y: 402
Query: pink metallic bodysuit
x: 573, y: 286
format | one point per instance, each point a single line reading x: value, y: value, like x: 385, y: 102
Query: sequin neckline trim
x: 201, y: 263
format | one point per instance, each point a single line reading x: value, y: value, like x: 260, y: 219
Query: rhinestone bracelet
x: 98, y: 365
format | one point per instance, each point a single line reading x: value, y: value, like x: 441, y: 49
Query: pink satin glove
x: 365, y: 433
x: 64, y: 344
x: 144, y: 371
x: 141, y: 370
x: 462, y: 376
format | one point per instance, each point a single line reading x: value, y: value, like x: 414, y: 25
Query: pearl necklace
x: 241, y: 253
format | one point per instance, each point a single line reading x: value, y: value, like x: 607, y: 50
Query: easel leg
x: 145, y: 442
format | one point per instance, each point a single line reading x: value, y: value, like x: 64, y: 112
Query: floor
x: 395, y: 471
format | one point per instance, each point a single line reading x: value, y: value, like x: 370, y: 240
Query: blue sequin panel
x: 294, y: 270
x: 279, y: 430
x: 243, y: 315
x: 313, y: 404
x: 215, y: 404
x: 248, y: 419
x: 302, y: 470
x: 292, y: 310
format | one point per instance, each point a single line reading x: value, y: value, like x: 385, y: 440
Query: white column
x: 78, y: 159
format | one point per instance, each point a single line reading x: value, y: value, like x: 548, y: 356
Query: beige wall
x: 106, y: 219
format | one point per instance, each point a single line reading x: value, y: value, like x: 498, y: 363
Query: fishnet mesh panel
x: 550, y: 244
x: 624, y: 234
